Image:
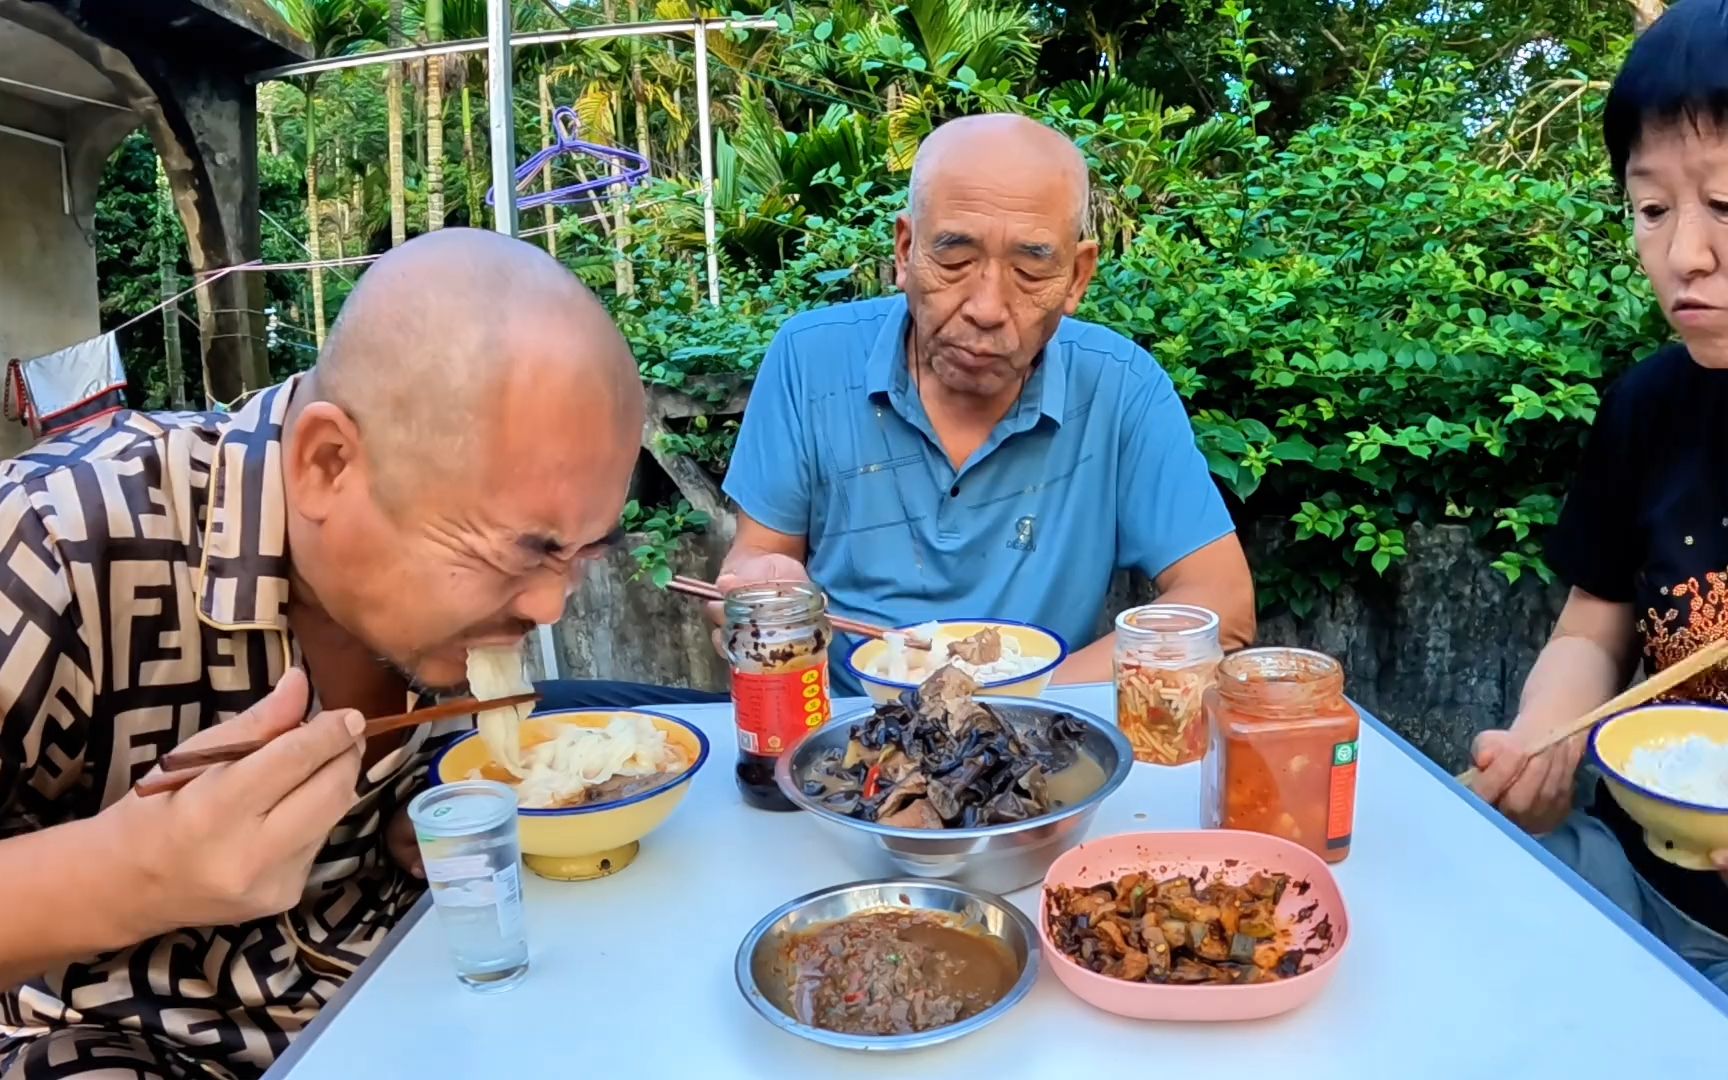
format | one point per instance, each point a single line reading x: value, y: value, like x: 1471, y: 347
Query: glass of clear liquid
x: 467, y: 836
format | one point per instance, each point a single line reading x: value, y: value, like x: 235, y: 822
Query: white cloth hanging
x: 64, y: 389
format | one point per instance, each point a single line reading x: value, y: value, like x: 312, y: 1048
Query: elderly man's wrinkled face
x: 423, y: 569
x: 1677, y: 181
x: 990, y: 260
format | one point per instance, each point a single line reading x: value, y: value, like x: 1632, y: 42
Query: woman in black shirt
x: 1643, y: 538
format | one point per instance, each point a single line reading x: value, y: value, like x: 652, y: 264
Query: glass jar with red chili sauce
x: 1282, y: 752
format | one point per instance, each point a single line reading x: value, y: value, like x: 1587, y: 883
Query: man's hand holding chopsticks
x: 237, y: 843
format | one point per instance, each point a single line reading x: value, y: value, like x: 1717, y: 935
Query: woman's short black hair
x: 1677, y: 70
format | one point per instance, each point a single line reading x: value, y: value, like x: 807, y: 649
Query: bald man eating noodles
x: 967, y: 449
x: 464, y: 443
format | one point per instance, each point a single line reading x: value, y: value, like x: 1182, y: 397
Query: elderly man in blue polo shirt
x: 967, y: 450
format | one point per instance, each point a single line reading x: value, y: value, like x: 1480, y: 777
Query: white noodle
x: 576, y: 758
x: 495, y: 672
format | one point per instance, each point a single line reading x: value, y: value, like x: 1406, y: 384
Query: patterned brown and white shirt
x: 143, y: 597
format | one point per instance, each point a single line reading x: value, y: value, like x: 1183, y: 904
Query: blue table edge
x: 1652, y: 944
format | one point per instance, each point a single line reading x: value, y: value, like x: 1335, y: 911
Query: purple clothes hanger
x: 630, y: 168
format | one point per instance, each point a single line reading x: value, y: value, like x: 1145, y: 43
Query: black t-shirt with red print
x: 1646, y: 524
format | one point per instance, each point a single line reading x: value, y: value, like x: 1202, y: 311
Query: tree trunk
x: 434, y: 119
x: 1646, y: 12
x: 681, y: 167
x: 638, y: 87
x: 420, y: 125
x: 476, y: 216
x: 268, y: 111
x: 621, y: 278
x: 341, y: 204
x: 546, y: 171
x: 357, y: 210
x: 166, y: 252
x: 393, y: 96
x: 314, y: 245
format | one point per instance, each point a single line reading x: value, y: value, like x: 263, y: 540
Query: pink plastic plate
x: 1167, y: 854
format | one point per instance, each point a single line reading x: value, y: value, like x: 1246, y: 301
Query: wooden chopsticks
x: 181, y: 767
x: 703, y: 590
x: 1661, y: 682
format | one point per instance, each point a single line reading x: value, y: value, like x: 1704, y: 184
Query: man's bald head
x: 438, y: 332
x: 998, y: 145
x: 463, y: 448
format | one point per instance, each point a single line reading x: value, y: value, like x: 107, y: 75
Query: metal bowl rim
x: 744, y: 969
x: 1116, y: 778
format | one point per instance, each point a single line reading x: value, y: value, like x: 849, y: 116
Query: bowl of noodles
x: 1005, y: 658
x: 591, y: 783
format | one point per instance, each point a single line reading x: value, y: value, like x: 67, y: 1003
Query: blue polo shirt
x: 1095, y: 469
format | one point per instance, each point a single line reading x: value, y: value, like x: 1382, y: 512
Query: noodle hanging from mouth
x: 496, y: 671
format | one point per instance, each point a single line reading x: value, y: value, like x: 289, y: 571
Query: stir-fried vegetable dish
x: 1183, y: 929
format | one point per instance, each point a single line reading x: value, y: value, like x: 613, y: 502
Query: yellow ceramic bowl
x: 1033, y: 641
x: 595, y: 840
x: 1682, y: 832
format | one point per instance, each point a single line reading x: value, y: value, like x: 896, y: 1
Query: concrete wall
x: 48, y: 296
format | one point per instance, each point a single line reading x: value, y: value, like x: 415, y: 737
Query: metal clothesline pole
x: 504, y: 178
x: 705, y: 130
x: 500, y: 99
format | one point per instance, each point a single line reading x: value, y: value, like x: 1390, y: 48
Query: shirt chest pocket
x: 877, y: 495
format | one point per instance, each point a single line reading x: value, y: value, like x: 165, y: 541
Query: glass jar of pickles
x: 1281, y: 756
x: 1166, y: 657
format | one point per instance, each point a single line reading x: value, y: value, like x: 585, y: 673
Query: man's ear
x: 902, y: 249
x: 1085, y: 265
x: 323, y: 460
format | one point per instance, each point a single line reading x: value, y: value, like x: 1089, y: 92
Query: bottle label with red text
x: 775, y: 711
x: 1341, y: 796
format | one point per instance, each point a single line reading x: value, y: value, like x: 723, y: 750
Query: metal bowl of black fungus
x: 943, y: 783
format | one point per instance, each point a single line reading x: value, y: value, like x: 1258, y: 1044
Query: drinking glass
x: 468, y: 843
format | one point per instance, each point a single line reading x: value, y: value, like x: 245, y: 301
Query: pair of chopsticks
x: 703, y: 590
x: 181, y: 767
x: 1661, y: 682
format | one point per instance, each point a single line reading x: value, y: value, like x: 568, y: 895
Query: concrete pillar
x: 207, y: 134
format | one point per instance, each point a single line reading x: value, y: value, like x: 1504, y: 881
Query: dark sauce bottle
x: 777, y: 637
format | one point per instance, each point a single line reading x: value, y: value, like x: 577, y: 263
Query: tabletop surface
x: 1469, y: 955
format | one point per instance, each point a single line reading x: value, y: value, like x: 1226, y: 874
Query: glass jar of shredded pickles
x: 777, y: 637
x: 1166, y: 658
x: 1281, y: 756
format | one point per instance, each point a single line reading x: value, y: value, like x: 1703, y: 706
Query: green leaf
x: 824, y: 30
x: 662, y: 576
x: 1374, y: 180
x: 1380, y: 562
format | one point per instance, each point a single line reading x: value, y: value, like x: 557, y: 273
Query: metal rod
x: 541, y: 37
x: 68, y: 95
x: 501, y: 119
x: 501, y: 114
x: 705, y: 136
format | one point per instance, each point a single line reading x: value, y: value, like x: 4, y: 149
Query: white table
x: 1472, y: 953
